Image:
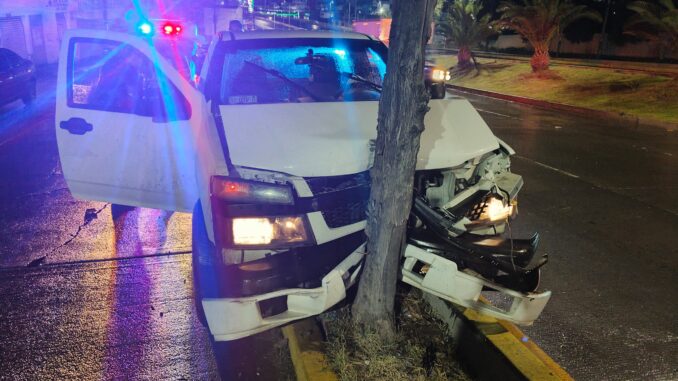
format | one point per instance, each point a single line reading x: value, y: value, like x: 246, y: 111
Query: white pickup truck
x: 271, y: 153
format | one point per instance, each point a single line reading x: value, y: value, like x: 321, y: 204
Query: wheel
x: 30, y: 95
x: 438, y: 91
x: 204, y: 277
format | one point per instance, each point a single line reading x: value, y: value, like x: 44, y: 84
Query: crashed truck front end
x: 460, y: 242
x: 285, y: 213
x: 291, y: 245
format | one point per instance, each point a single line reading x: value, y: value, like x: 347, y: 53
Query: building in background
x: 34, y: 28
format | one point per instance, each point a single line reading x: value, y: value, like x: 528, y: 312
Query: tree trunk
x: 402, y: 108
x: 464, y: 57
x: 540, y: 59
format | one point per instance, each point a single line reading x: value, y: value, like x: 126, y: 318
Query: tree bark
x: 540, y: 59
x: 400, y: 123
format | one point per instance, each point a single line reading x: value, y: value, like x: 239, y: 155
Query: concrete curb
x: 489, y: 349
x: 492, y: 349
x: 567, y: 108
x: 306, y: 348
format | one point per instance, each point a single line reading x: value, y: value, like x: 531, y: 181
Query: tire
x: 438, y: 91
x: 202, y: 264
x: 30, y: 95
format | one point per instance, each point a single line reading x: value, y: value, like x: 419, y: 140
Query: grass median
x: 644, y: 95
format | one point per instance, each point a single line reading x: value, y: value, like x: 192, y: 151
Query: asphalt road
x: 603, y: 197
x: 84, y: 295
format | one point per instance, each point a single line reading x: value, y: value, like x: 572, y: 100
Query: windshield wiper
x: 366, y: 81
x: 280, y: 75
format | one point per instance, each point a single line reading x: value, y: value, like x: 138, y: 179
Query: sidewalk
x: 648, y: 67
x: 643, y: 97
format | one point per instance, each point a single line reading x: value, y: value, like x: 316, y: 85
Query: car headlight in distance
x: 246, y: 191
x: 439, y: 74
x: 269, y: 231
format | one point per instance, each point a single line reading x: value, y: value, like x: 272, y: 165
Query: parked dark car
x: 17, y: 78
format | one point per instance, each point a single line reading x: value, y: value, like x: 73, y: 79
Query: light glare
x: 252, y: 231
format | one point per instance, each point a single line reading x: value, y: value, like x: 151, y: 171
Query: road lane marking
x: 496, y: 113
x: 548, y: 167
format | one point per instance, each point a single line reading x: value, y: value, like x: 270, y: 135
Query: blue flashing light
x: 146, y: 28
x: 340, y: 52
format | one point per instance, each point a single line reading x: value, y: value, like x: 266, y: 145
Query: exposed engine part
x: 455, y: 249
x: 506, y: 261
x: 443, y: 192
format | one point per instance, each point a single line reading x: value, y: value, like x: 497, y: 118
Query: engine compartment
x: 462, y: 214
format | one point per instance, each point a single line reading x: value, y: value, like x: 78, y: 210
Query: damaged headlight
x: 493, y: 209
x: 497, y: 209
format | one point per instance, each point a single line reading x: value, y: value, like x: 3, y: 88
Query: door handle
x: 76, y: 126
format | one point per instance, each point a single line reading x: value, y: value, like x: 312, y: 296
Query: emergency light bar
x: 167, y: 28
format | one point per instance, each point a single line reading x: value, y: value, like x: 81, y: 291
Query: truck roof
x: 266, y: 34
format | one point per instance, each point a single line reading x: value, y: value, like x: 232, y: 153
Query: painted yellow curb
x: 523, y: 353
x: 305, y: 342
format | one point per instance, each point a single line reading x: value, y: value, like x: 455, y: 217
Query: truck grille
x: 345, y: 215
x: 349, y: 210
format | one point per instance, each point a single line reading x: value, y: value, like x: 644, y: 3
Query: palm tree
x: 463, y: 27
x: 655, y: 21
x: 538, y: 21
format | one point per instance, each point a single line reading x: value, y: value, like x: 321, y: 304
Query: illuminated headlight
x: 269, y: 231
x: 498, y: 210
x: 440, y: 75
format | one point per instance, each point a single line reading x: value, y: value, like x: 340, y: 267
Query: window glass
x: 301, y: 70
x: 111, y: 76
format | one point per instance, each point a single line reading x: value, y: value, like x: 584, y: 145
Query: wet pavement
x: 84, y: 295
x: 603, y: 196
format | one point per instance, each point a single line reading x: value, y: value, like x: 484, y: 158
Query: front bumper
x: 444, y: 280
x: 234, y: 318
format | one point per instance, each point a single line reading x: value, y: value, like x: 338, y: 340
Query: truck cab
x: 272, y: 155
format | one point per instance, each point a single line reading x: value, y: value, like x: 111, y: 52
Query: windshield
x: 301, y: 70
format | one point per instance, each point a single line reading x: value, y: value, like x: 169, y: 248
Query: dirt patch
x: 422, y: 351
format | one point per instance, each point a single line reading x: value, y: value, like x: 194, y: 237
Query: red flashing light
x: 170, y: 29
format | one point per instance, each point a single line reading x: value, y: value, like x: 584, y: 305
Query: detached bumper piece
x: 458, y: 267
x: 441, y: 277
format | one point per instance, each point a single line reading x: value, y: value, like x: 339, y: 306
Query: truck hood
x: 333, y: 138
